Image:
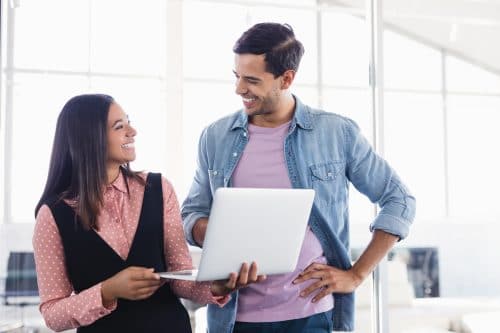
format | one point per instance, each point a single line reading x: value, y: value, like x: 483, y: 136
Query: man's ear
x: 287, y: 79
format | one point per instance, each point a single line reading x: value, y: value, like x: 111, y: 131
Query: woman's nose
x: 131, y: 132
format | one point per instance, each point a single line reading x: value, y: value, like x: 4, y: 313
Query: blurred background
x: 169, y: 64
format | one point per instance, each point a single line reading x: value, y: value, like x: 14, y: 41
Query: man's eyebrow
x: 248, y: 77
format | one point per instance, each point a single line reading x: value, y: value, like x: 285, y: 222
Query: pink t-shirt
x: 263, y: 165
x: 118, y: 221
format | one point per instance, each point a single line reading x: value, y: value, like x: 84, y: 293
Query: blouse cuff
x: 97, y: 306
x: 221, y: 300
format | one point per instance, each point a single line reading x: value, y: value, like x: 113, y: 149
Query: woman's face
x: 120, y: 137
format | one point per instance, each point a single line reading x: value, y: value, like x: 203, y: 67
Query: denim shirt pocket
x: 216, y: 179
x: 328, y: 182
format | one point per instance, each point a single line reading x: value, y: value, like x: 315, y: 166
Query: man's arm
x: 199, y: 230
x: 372, y: 176
x: 381, y: 243
x: 334, y: 280
x: 196, y: 207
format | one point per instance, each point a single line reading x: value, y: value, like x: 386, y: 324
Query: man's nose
x: 240, y: 87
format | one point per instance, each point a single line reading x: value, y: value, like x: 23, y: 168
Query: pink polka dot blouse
x: 63, y: 309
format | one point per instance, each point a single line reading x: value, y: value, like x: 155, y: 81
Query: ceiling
x: 469, y: 29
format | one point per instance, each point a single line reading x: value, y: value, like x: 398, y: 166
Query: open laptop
x: 252, y: 224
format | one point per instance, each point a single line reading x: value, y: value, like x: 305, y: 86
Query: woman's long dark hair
x: 77, y: 168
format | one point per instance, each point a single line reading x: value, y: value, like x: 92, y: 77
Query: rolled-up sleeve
x: 374, y: 177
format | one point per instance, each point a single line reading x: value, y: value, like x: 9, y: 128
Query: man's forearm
x: 381, y: 243
x: 199, y: 230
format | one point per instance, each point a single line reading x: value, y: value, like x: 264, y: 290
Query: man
x: 278, y: 142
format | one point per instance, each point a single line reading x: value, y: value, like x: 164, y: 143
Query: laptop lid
x: 252, y: 224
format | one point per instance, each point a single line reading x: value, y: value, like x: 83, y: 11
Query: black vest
x: 90, y: 260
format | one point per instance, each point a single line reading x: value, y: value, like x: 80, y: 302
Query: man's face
x: 259, y: 90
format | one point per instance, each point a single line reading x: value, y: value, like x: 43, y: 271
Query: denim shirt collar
x: 301, y: 117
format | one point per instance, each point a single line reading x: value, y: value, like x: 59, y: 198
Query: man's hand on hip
x: 329, y: 280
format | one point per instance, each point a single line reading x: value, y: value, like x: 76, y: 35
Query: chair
x: 21, y: 288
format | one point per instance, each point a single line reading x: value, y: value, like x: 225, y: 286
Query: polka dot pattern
x: 61, y: 308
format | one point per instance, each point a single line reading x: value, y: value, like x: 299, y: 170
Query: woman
x: 102, y: 231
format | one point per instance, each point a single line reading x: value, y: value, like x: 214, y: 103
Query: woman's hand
x: 247, y: 276
x: 132, y: 283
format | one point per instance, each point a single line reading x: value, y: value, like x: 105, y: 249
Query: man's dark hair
x: 277, y: 42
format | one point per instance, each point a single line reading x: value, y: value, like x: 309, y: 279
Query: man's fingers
x: 314, y: 267
x: 314, y: 274
x: 243, y: 278
x: 306, y: 292
x: 252, y: 276
x: 321, y: 294
x: 231, y: 283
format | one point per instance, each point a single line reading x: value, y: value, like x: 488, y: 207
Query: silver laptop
x: 252, y: 224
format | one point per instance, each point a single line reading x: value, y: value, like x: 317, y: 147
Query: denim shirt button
x: 235, y: 154
x: 245, y: 134
x: 215, y: 173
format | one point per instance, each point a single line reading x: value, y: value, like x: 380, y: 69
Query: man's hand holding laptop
x: 247, y: 275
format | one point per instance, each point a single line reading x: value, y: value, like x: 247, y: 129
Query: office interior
x: 420, y: 78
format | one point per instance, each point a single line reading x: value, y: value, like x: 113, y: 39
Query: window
x: 414, y: 146
x: 70, y: 54
x: 409, y: 64
x: 474, y: 165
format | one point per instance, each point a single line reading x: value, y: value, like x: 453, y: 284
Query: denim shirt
x: 323, y: 151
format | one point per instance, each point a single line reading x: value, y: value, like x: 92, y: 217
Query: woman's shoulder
x: 165, y: 182
x: 44, y: 212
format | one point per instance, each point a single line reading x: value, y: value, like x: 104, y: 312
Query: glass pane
x: 474, y: 165
x: 464, y: 76
x: 345, y: 55
x: 127, y: 37
x: 207, y: 41
x: 35, y: 114
x: 409, y: 64
x: 291, y: 3
x: 431, y: 146
x: 406, y: 147
x: 52, y: 34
